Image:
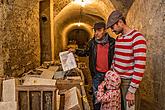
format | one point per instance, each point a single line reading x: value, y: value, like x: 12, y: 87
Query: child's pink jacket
x: 109, y: 92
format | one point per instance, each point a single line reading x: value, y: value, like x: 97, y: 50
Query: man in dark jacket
x: 100, y: 50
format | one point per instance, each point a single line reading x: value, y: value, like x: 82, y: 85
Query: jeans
x: 97, y: 79
x: 124, y: 89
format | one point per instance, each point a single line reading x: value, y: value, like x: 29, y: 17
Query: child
x: 109, y: 92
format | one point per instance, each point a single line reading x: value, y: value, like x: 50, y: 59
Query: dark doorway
x: 78, y: 37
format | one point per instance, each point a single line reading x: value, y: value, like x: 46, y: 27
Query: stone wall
x: 122, y: 5
x: 21, y: 42
x: 59, y: 5
x: 148, y: 16
x: 1, y: 34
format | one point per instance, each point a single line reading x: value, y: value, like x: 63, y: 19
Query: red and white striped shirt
x: 130, y: 58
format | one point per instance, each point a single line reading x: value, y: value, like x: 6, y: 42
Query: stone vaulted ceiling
x: 67, y: 14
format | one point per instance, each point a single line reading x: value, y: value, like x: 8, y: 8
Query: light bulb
x: 83, y: 2
x: 78, y: 24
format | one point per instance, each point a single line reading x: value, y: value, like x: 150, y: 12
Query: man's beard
x: 118, y: 32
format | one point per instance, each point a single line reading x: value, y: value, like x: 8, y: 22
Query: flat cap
x: 99, y: 25
x: 113, y: 18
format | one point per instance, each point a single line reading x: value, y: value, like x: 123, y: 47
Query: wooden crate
x: 64, y: 85
x: 36, y: 97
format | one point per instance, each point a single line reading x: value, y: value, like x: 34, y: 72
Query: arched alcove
x: 70, y: 15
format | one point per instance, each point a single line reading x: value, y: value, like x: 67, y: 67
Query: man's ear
x: 120, y: 21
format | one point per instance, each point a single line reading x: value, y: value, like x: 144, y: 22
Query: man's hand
x: 130, y: 97
x: 71, y: 50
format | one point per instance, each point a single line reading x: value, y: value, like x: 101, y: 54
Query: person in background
x: 100, y: 50
x: 129, y: 58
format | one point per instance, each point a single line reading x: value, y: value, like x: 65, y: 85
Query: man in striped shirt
x: 129, y: 58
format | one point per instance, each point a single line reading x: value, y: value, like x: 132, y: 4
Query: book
x: 67, y: 60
